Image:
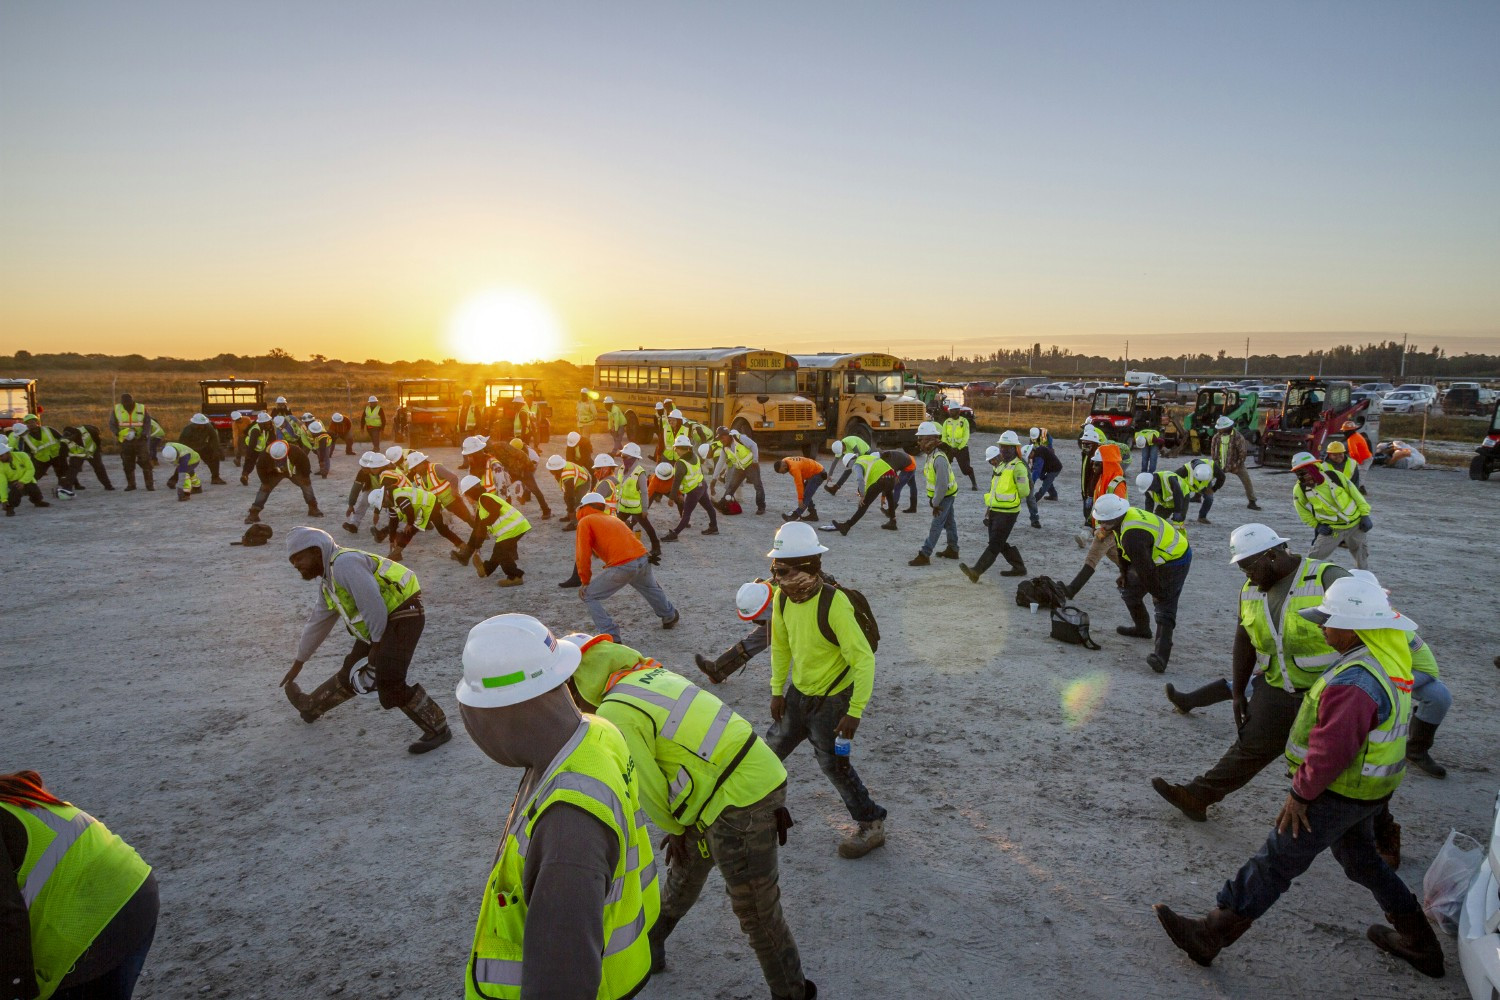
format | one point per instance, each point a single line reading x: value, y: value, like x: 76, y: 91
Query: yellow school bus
x: 861, y: 394
x: 752, y: 390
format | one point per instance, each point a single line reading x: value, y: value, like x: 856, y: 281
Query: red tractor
x: 1314, y: 411
x: 17, y: 398
x: 1487, y: 455
x: 426, y: 411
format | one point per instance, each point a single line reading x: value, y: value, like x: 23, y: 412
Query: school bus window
x: 864, y: 382
x: 764, y: 382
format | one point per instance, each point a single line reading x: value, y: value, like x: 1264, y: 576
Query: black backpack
x: 1041, y: 590
x: 862, y: 612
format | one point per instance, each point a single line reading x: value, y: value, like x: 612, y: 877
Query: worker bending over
x: 626, y: 563
x: 493, y: 516
x: 752, y: 603
x: 573, y: 479
x: 282, y: 462
x: 84, y: 445
x: 846, y: 450
x: 17, y: 479
x: 689, y: 489
x: 1331, y: 506
x: 184, y: 462
x: 1010, y: 483
x: 879, y: 484
x: 807, y: 476
x: 410, y: 510
x: 48, y: 450
x: 1154, y: 559
x: 942, y: 489
x: 742, y: 456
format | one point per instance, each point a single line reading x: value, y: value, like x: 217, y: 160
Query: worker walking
x: 1346, y: 756
x: 573, y: 891
x: 1045, y: 467
x: 1154, y: 559
x: 879, y: 484
x: 626, y: 563
x: 586, y: 414
x: 955, y: 443
x: 17, y: 479
x: 819, y: 645
x: 380, y: 604
x: 690, y: 490
x: 742, y: 455
x: 615, y: 421
x: 752, y: 603
x: 84, y: 446
x: 202, y: 436
x: 1230, y: 453
x: 807, y: 476
x: 282, y: 462
x: 1331, y: 506
x: 184, y: 462
x: 712, y: 786
x: 79, y: 907
x: 49, y: 453
x: 1010, y: 483
x: 373, y: 421
x: 504, y: 524
x: 942, y: 488
x: 130, y: 424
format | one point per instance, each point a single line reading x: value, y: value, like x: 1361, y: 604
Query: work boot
x: 428, y: 715
x: 1253, y: 505
x: 353, y: 529
x: 657, y: 937
x: 324, y: 699
x: 171, y: 482
x: 570, y: 526
x: 1076, y: 584
x: 1016, y: 569
x: 218, y: 481
x: 920, y: 560
x: 1163, y: 652
x: 314, y: 512
x: 130, y: 487
x: 184, y: 495
x: 1388, y: 838
x: 197, y: 489
x: 890, y: 525
x: 672, y: 621
x: 253, y: 517
x: 1189, y: 804
x: 863, y: 840
x: 1203, y: 939
x: 380, y: 534
x: 969, y: 572
x: 710, y: 530
x: 1203, y: 520
x: 572, y: 582
x: 812, y: 513
x: 720, y: 670
x: 397, y: 553
x: 949, y: 553
x: 911, y: 508
x: 1208, y: 694
x: 842, y: 529
x: 790, y: 515
x: 1418, y: 742
x: 1411, y: 940
x: 481, y: 567
x: 1140, y: 627
x: 513, y: 581
x: 670, y: 536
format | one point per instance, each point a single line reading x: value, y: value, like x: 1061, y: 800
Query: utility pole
x: 1127, y: 359
x: 1247, y: 357
x: 1402, y: 377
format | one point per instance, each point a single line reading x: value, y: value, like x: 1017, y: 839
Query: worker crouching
x: 184, y: 462
x: 503, y: 523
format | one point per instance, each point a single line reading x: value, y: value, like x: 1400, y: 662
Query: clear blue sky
x: 336, y: 177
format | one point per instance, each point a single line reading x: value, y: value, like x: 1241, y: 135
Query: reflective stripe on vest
x: 65, y: 834
x: 631, y: 491
x: 86, y: 447
x: 1384, y: 755
x: 1003, y: 495
x: 132, y: 420
x: 397, y: 585
x: 372, y: 416
x: 423, y: 503
x: 1168, y: 543
x: 510, y: 524
x: 738, y: 457
x: 1327, y: 508
x: 693, y: 478
x: 43, y: 448
x: 929, y: 472
x: 572, y: 473
x: 955, y: 433
x: 1309, y: 653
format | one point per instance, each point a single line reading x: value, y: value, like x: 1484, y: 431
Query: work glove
x: 784, y: 822
x: 654, y: 558
x: 1365, y: 524
x: 1322, y: 529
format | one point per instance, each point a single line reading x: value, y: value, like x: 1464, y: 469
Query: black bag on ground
x: 862, y: 612
x: 256, y: 534
x: 1043, y: 591
x: 1071, y: 625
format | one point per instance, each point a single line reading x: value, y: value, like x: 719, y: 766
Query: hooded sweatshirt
x: 1110, y: 467
x: 355, y: 572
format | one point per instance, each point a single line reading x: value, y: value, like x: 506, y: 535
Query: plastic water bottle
x: 842, y: 745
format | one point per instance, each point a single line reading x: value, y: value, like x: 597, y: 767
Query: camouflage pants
x: 742, y: 844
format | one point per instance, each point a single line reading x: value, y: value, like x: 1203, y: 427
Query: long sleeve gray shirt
x: 355, y: 572
x: 940, y: 474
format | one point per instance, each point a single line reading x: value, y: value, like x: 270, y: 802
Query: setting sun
x: 504, y: 324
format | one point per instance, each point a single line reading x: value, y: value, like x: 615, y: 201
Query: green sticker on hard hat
x: 506, y: 680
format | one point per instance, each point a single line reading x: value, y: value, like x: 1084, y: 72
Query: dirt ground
x: 1025, y: 843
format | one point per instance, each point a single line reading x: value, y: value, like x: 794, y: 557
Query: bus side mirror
x: 880, y: 397
x: 762, y: 400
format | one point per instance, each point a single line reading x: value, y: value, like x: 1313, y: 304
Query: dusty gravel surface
x: 1026, y: 845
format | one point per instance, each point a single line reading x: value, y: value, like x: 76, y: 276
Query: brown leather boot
x: 1411, y: 940
x: 1189, y: 804
x: 1203, y: 939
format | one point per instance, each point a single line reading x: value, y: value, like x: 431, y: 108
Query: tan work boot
x: 1202, y: 939
x: 864, y: 840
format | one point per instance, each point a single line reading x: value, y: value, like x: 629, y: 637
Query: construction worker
x: 17, y: 479
x: 375, y: 470
x: 586, y: 414
x: 1200, y: 481
x: 49, y: 453
x: 1336, y: 458
x: 184, y: 462
x: 879, y: 484
x: 202, y: 436
x: 320, y: 442
x: 575, y: 451
x: 504, y: 524
x: 440, y: 481
x: 411, y: 509
x: 712, y: 786
x: 478, y: 453
x: 1358, y: 447
x: 573, y: 479
x: 752, y: 603
x: 606, y: 481
x: 1148, y: 439
x: 1163, y: 494
x: 1230, y: 453
x: 373, y: 421
x: 258, y: 436
x: 342, y: 430
x: 1109, y: 460
x: 281, y: 408
x: 1088, y: 443
x: 955, y: 442
x: 742, y: 455
x: 614, y: 419
x: 1040, y: 437
x: 130, y: 424
x: 573, y: 892
x: 846, y: 450
x: 1010, y: 483
x: 380, y: 604
x: 156, y: 437
x: 467, y: 423
x: 1331, y: 506
x: 282, y: 462
x: 942, y: 488
x: 1154, y: 559
x: 818, y: 641
x: 807, y: 475
x: 1346, y: 756
x: 1045, y: 468
x: 905, y: 468
x: 84, y: 445
x: 626, y: 563
x: 79, y: 906
x: 634, y: 496
x: 689, y: 489
x: 240, y: 422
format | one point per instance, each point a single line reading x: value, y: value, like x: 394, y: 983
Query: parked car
x: 979, y: 389
x: 1271, y: 399
x: 1058, y: 391
x: 1380, y: 388
x: 1430, y: 391
x: 1402, y: 401
x: 1018, y: 385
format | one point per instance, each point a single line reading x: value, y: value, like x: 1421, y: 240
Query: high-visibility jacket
x: 74, y: 878
x: 18, y: 471
x: 423, y: 502
x: 1376, y: 771
x: 737, y: 455
x: 1167, y: 541
x: 632, y: 494
x: 43, y: 447
x: 586, y: 414
x: 573, y: 474
x: 1292, y: 652
x: 1149, y: 436
x: 1348, y: 468
x: 129, y: 423
x: 699, y: 433
x: 374, y: 415
x: 855, y: 445
x: 1190, y: 484
x: 398, y: 584
x: 501, y: 520
x: 1161, y: 495
x: 616, y: 418
x: 521, y: 423
x: 1044, y: 439
x: 595, y: 774
x: 1334, y: 502
x: 607, y: 484
x: 87, y: 446
x: 1009, y: 485
x: 955, y: 432
x: 874, y: 467
x: 317, y: 442
x: 429, y: 480
x: 929, y: 472
x: 468, y: 418
x: 691, y: 476
x: 187, y: 458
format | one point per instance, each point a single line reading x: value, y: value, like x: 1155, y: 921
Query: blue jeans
x: 1148, y: 458
x: 810, y: 490
x: 813, y: 718
x: 1208, y: 503
x: 943, y: 519
x: 611, y: 579
x: 1430, y: 698
x: 903, y: 480
x: 1043, y: 486
x: 1344, y: 827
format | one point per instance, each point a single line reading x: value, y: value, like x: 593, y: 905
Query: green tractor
x: 1211, y: 404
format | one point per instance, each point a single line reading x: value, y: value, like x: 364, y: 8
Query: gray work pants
x: 1261, y: 741
x: 1324, y: 546
x: 750, y: 474
x: 611, y: 579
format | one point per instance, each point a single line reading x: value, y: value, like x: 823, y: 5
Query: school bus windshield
x: 764, y: 383
x: 867, y: 384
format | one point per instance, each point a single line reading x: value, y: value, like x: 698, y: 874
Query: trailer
x: 223, y: 397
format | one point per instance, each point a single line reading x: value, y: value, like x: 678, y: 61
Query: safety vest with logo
x: 131, y: 422
x: 929, y: 472
x: 1378, y: 768
x: 43, y: 448
x: 508, y: 522
x: 1167, y: 542
x: 423, y: 502
x: 632, y: 491
x: 738, y: 456
x: 956, y: 432
x: 593, y: 772
x: 74, y: 878
x: 874, y: 467
x: 373, y: 416
x: 699, y: 739
x: 692, y: 476
x: 1331, y: 502
x: 397, y: 585
x: 1293, y: 652
x: 1004, y: 495
x: 86, y: 445
x: 573, y: 474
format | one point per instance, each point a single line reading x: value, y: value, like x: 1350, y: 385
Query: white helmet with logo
x: 796, y: 540
x: 928, y: 429
x: 510, y: 659
x: 1010, y: 438
x: 752, y: 600
x: 1251, y: 540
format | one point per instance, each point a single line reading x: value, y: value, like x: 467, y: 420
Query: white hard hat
x: 278, y: 450
x: 362, y: 677
x: 660, y: 407
x: 278, y: 420
x: 307, y: 418
x: 1110, y: 506
x: 473, y: 445
x: 372, y: 399
x: 795, y: 540
x: 1010, y: 437
x: 1144, y: 481
x: 1202, y: 472
x: 518, y: 398
x: 1091, y: 433
x: 510, y: 659
x: 555, y: 463
x: 665, y: 470
x: 991, y: 453
x: 280, y: 400
x: 4, y: 446
x: 573, y: 438
x: 1303, y: 458
x: 467, y: 483
x: 631, y: 450
x: 609, y: 399
x: 1140, y: 440
x: 393, y: 453
x: 603, y: 462
x: 1097, y: 457
x: 1223, y: 423
x: 752, y: 600
x: 703, y: 450
x: 338, y: 418
x: 928, y: 429
x: 1026, y: 450
x: 373, y: 460
x: 837, y: 448
x: 676, y: 415
x: 316, y: 427
x: 377, y: 497
x: 234, y: 414
x: 263, y: 417
x: 591, y: 499
x: 1036, y: 433
x: 415, y: 458
x: 683, y: 441
x: 168, y: 453
x: 1357, y: 604
x: 1252, y: 539
x: 199, y: 418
